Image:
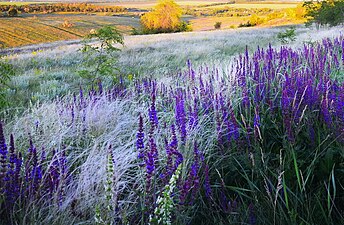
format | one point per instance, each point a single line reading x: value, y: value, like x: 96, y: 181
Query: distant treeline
x: 62, y: 7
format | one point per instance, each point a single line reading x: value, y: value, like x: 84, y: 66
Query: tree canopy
x: 329, y: 12
x: 165, y: 17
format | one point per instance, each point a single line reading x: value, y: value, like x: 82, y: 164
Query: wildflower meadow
x: 258, y: 141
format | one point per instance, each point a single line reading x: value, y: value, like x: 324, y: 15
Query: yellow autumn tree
x: 165, y: 17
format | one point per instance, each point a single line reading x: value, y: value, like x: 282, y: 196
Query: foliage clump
x: 328, y: 12
x: 100, y: 58
x: 254, y: 20
x: 217, y: 25
x: 67, y: 24
x: 288, y: 36
x: 12, y: 12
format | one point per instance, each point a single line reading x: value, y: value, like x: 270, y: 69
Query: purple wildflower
x: 152, y: 111
x: 3, y: 154
x: 140, y: 139
x: 252, y: 216
x: 180, y: 116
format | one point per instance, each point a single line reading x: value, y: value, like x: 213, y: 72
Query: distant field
x: 39, y: 28
x: 150, y: 4
x: 20, y: 3
x: 47, y: 28
x: 207, y: 23
x: 200, y: 3
x: 269, y: 5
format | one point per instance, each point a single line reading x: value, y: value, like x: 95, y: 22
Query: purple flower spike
x: 252, y: 216
x: 152, y: 111
x: 256, y: 123
x: 13, y: 156
x: 174, y: 149
x: 180, y: 116
x: 3, y: 154
x: 140, y: 139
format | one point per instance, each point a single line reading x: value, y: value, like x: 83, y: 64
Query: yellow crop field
x: 206, y: 4
x: 151, y: 4
x: 207, y: 23
x: 47, y: 28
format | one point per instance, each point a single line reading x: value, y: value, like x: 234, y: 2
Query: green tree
x: 6, y: 72
x: 100, y: 58
x: 329, y: 12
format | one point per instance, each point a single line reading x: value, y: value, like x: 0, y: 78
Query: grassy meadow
x: 182, y: 131
x: 41, y: 77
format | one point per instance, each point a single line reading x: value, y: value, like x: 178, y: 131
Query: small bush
x: 184, y: 27
x: 288, y: 36
x: 255, y: 20
x: 134, y: 31
x: 247, y: 24
x: 217, y: 25
x: 12, y: 12
x: 67, y: 24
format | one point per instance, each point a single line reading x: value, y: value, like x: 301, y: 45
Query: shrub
x: 217, y: 25
x: 287, y: 36
x: 67, y: 24
x: 247, y: 24
x: 184, y: 27
x: 134, y: 31
x: 12, y: 12
x: 255, y: 20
